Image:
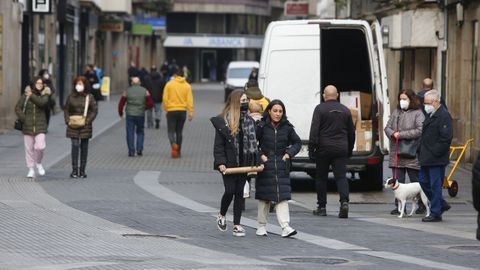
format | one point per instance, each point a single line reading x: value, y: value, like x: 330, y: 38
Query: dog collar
x: 396, y: 186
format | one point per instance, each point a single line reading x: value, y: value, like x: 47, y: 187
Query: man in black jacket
x: 332, y: 137
x: 154, y: 82
x: 476, y: 191
x: 434, y: 153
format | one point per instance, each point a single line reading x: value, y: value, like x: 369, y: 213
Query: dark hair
x: 273, y: 103
x: 414, y: 101
x: 84, y: 80
x: 34, y: 81
x: 251, y: 83
x: 42, y: 72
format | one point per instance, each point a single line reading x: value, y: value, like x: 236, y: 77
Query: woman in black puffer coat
x: 278, y: 142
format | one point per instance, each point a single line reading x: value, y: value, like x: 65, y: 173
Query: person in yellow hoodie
x: 177, y: 100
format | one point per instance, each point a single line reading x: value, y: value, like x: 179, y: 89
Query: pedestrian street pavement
x: 153, y: 212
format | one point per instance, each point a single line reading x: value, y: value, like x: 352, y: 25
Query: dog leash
x: 396, y: 159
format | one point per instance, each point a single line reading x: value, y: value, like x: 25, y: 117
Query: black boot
x: 157, y: 123
x: 74, y: 173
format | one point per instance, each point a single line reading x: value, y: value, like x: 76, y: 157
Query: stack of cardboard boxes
x: 360, y: 105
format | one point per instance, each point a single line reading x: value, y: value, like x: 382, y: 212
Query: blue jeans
x: 135, y: 124
x: 431, y: 180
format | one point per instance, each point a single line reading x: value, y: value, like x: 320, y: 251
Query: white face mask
x: 79, y: 88
x: 404, y: 104
x: 429, y: 108
x: 46, y: 76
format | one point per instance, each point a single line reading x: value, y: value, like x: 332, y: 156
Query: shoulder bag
x: 78, y: 121
x: 408, y: 148
x: 18, y: 123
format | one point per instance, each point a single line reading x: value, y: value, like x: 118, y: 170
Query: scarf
x: 250, y: 148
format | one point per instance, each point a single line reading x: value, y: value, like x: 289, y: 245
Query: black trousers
x: 234, y: 184
x: 339, y: 166
x: 79, y: 147
x: 175, y: 122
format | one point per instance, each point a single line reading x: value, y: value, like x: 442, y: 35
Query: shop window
x: 211, y: 23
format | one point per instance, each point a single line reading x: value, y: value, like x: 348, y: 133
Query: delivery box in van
x: 299, y: 58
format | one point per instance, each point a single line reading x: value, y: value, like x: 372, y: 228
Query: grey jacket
x: 409, y: 124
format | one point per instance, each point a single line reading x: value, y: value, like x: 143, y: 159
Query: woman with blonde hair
x: 235, y: 146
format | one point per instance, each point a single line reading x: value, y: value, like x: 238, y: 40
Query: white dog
x: 404, y: 192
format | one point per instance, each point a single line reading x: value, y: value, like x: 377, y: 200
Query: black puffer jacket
x: 273, y: 184
x: 224, y: 152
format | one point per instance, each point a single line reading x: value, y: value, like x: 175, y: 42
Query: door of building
x: 209, y: 65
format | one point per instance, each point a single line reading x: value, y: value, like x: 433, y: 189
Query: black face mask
x: 244, y: 107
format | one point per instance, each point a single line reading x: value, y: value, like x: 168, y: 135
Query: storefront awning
x: 213, y: 42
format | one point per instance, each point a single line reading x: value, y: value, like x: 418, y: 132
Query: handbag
x: 78, y: 121
x: 408, y: 148
x: 18, y: 123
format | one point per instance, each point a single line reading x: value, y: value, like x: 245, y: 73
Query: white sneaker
x: 221, y: 223
x: 238, y: 230
x: 41, y: 170
x: 261, y: 231
x: 31, y: 173
x: 288, y: 231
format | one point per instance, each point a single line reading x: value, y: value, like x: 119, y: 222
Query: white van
x: 237, y: 75
x: 299, y: 58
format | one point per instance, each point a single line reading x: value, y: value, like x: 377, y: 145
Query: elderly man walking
x: 332, y: 137
x: 137, y: 99
x: 435, y: 143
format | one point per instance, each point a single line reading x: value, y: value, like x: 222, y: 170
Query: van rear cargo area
x: 345, y: 60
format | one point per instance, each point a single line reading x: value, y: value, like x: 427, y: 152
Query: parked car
x: 299, y: 58
x: 237, y: 75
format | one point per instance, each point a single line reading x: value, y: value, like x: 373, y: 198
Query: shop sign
x: 110, y: 25
x: 157, y: 23
x: 42, y: 6
x: 213, y: 42
x: 296, y: 8
x: 142, y: 29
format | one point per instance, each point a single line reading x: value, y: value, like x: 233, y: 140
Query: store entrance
x: 209, y: 65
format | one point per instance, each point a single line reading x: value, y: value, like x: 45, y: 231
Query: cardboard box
x: 360, y: 140
x: 366, y: 105
x: 364, y: 125
x: 363, y: 140
x: 354, y: 116
x: 360, y: 101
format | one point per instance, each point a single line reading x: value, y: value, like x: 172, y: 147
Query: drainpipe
x: 443, y: 82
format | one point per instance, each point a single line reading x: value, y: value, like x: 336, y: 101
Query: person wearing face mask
x: 75, y: 105
x: 437, y: 134
x: 30, y: 110
x: 332, y: 137
x: 405, y: 123
x: 47, y: 78
x: 278, y: 143
x: 235, y: 146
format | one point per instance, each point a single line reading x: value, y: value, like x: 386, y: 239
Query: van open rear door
x: 381, y: 87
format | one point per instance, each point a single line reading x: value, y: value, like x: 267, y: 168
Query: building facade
x: 436, y: 39
x: 10, y: 59
x: 206, y: 35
